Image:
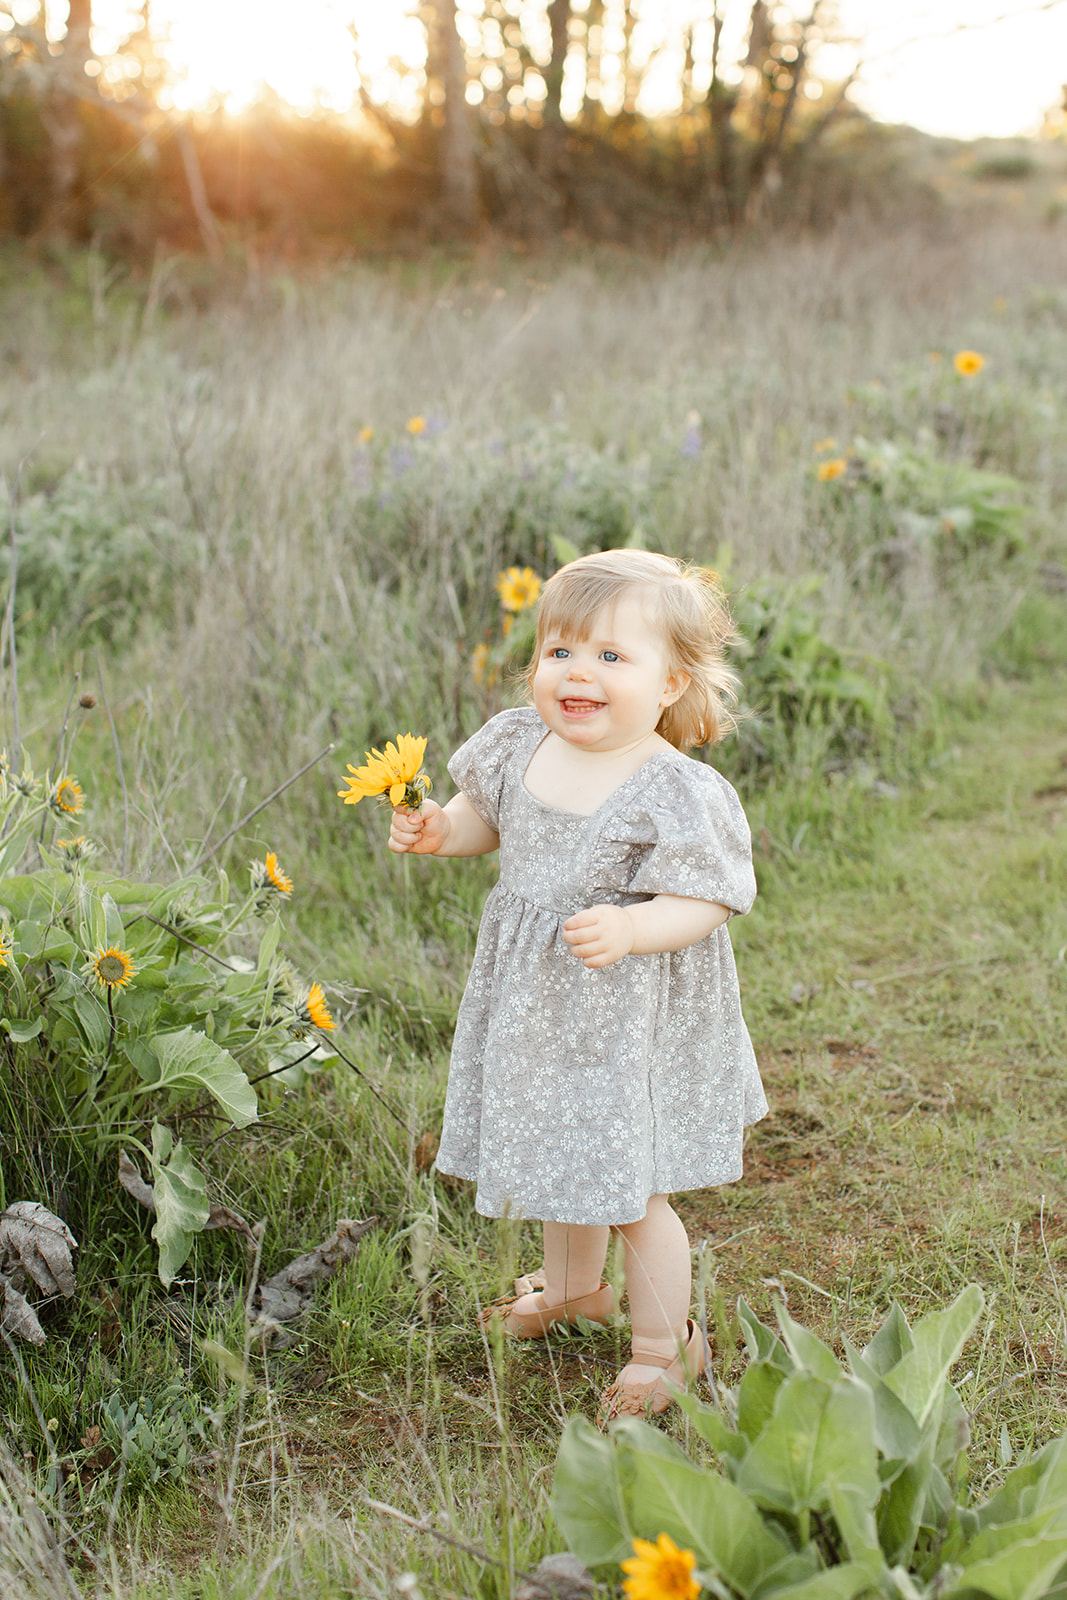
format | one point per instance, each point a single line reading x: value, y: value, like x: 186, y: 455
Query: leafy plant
x: 94, y: 561
x: 138, y: 1016
x: 826, y: 1482
x: 155, y: 1437
x: 949, y: 506
x: 794, y: 675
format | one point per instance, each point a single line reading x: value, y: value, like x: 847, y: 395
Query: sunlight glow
x: 996, y: 79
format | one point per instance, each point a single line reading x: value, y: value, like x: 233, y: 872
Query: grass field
x: 199, y: 513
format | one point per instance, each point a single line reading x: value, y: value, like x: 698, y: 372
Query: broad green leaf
x: 1016, y: 1561
x: 92, y: 919
x: 95, y: 1022
x: 820, y: 1435
x: 919, y: 1377
x: 762, y: 1343
x: 21, y: 1032
x: 845, y: 1582
x: 114, y: 928
x: 954, y: 1433
x: 901, y: 1507
x: 756, y: 1394
x: 809, y: 1352
x: 1038, y: 1483
x: 268, y: 946
x: 142, y: 1059
x: 856, y: 1524
x: 57, y: 945
x: 891, y: 1343
x: 189, y: 973
x: 714, y: 1429
x: 587, y: 1498
x: 181, y: 1201
x: 563, y: 550
x: 697, y: 1508
x: 896, y: 1432
x: 189, y: 1060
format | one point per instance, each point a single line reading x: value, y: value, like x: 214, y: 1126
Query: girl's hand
x: 420, y: 833
x: 600, y: 935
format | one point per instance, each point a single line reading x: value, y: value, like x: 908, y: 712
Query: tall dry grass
x: 298, y: 611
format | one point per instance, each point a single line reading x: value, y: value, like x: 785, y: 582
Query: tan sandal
x: 530, y: 1282
x: 649, y: 1399
x: 535, y: 1320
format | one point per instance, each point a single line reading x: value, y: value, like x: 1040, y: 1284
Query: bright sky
x: 995, y: 76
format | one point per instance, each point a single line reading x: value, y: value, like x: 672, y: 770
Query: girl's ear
x: 676, y: 685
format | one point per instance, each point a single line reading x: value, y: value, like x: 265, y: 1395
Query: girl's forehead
x: 628, y: 614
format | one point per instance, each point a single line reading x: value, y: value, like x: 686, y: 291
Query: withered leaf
x: 223, y: 1217
x: 17, y: 1315
x: 426, y: 1152
x: 134, y: 1184
x: 284, y: 1297
x: 40, y: 1244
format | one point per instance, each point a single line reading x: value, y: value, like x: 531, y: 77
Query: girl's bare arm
x: 452, y: 830
x: 603, y: 934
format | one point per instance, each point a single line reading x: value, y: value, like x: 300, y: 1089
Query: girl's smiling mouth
x: 574, y: 707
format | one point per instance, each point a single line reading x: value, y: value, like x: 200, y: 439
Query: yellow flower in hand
x: 395, y: 771
x: 660, y: 1571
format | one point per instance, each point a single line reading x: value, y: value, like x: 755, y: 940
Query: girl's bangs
x: 569, y: 608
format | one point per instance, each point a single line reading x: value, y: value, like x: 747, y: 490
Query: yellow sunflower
x: 67, y: 796
x: 7, y: 945
x: 660, y: 1571
x: 518, y: 589
x: 395, y: 771
x: 480, y: 663
x: 968, y: 363
x: 416, y: 425
x: 316, y: 1010
x: 112, y: 968
x: 366, y: 434
x: 274, y: 875
x: 827, y: 471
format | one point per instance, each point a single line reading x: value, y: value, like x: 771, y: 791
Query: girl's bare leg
x: 659, y: 1283
x: 574, y: 1264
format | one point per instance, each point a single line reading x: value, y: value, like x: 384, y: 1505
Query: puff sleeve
x: 692, y: 839
x: 479, y: 767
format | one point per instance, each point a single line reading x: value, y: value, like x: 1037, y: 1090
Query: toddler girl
x: 600, y: 1058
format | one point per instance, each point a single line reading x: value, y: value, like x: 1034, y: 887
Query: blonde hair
x: 685, y: 603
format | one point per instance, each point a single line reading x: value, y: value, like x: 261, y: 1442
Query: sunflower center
x: 111, y: 969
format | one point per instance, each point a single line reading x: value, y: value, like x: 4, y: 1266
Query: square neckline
x: 584, y: 816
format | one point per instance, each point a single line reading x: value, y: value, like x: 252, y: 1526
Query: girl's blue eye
x: 559, y: 653
x: 610, y: 655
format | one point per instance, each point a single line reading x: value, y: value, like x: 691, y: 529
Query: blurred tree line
x: 532, y: 120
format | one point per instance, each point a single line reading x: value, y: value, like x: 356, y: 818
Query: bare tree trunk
x: 721, y: 102
x: 553, y: 131
x: 194, y: 177
x: 459, y: 169
x: 62, y: 118
x: 594, y: 18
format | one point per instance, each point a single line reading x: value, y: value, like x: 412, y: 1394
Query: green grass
x: 903, y: 970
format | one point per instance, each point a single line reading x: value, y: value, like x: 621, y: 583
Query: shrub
x: 826, y: 1482
x: 138, y: 1016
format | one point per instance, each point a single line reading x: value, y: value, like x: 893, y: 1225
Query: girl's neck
x: 572, y: 779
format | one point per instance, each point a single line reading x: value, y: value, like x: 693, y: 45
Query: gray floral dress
x: 575, y: 1093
